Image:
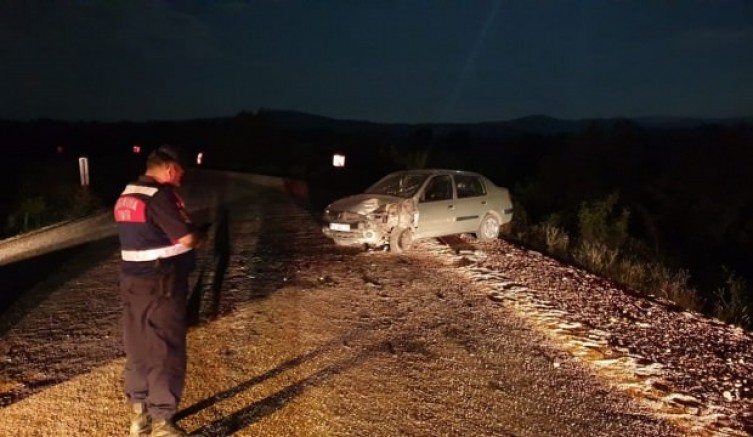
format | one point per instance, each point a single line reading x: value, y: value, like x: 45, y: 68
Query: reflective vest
x: 145, y: 246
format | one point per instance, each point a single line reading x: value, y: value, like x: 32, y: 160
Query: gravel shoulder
x: 691, y: 369
x: 298, y: 337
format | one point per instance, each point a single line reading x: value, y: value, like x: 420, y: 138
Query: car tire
x: 488, y: 229
x: 401, y: 239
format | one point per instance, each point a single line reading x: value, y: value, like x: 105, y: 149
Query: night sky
x: 393, y: 61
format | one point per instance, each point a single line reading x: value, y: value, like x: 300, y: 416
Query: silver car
x: 408, y: 205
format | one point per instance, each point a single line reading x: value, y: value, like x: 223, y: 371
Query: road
x: 297, y: 337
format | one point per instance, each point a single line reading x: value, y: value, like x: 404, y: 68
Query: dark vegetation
x: 663, y: 206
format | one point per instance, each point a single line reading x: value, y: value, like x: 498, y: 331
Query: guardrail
x: 202, y: 189
x: 55, y: 237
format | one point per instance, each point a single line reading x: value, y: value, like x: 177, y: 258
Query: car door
x: 436, y: 208
x: 471, y: 204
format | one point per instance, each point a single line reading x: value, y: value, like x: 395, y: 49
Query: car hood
x: 363, y: 203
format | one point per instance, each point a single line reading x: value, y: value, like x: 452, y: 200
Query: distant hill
x: 529, y: 125
x: 690, y: 123
x: 295, y: 120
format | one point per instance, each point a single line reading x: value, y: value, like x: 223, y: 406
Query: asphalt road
x: 298, y: 337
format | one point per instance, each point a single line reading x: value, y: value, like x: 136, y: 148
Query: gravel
x: 298, y: 337
x: 682, y: 363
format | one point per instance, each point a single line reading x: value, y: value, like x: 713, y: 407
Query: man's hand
x: 204, y: 229
x: 203, y: 232
x: 196, y: 238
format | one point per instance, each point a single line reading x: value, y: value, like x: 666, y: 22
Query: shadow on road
x: 264, y: 407
x: 253, y: 259
x: 270, y: 263
x: 219, y: 397
x: 274, y: 402
x: 29, y: 282
x: 220, y: 258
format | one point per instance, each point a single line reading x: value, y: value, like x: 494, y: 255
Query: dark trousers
x: 154, y: 336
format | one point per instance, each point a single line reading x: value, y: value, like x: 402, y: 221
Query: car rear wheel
x: 488, y: 230
x: 401, y: 239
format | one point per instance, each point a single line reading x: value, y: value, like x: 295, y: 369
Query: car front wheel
x: 488, y: 230
x: 401, y: 239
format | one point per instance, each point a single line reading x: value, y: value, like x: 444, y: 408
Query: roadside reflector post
x: 338, y: 160
x: 83, y: 170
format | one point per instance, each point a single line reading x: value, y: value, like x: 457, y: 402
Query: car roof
x: 436, y: 171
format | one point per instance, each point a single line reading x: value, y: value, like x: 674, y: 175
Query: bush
x: 37, y: 211
x: 599, y: 223
x: 673, y: 285
x: 83, y: 202
x: 733, y: 304
x: 30, y: 213
x: 605, y: 247
x: 633, y: 273
x: 519, y: 226
x: 658, y: 280
x: 596, y: 256
x: 557, y: 240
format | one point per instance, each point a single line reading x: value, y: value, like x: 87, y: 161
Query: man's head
x: 166, y: 165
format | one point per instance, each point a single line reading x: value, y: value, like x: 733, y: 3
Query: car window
x: 469, y: 186
x: 402, y: 185
x: 439, y: 188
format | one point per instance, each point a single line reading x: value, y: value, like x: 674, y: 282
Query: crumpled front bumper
x: 354, y: 237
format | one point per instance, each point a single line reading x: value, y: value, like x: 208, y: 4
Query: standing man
x: 156, y: 239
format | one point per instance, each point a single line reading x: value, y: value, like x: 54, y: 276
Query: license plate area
x: 342, y: 227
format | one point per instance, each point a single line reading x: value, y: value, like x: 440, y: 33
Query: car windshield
x: 401, y: 185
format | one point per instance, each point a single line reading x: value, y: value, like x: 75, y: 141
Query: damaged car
x: 416, y: 204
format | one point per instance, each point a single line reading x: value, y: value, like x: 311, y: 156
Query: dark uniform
x: 154, y: 287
